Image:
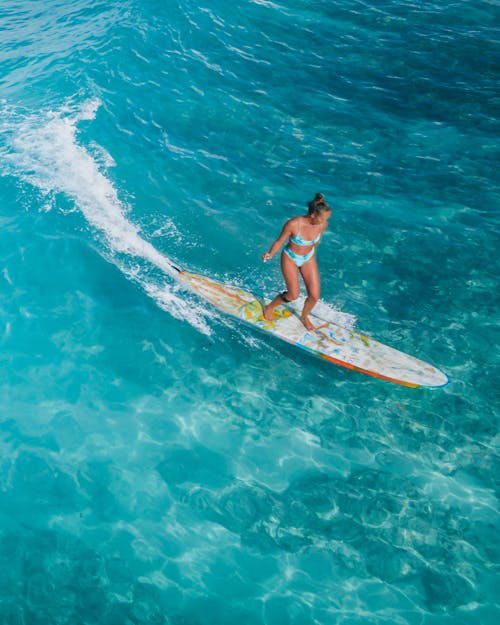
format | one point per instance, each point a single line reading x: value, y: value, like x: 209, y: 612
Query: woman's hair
x: 318, y: 205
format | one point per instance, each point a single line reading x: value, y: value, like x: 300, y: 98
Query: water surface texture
x: 161, y: 464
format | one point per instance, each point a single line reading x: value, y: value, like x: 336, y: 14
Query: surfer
x: 303, y: 234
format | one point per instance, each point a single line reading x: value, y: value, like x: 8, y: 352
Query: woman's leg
x: 310, y: 275
x: 291, y: 274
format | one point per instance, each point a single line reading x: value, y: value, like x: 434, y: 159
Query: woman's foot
x: 305, y: 320
x: 269, y: 313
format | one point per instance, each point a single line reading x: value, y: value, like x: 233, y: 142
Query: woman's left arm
x: 286, y: 232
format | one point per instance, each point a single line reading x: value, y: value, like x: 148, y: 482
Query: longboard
x: 327, y: 341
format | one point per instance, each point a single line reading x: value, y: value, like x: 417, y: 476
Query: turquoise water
x: 161, y: 464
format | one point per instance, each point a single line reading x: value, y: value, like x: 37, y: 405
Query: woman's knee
x: 313, y: 292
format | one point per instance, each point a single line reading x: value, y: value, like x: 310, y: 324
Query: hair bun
x: 318, y: 205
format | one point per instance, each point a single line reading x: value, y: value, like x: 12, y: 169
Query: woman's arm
x: 286, y: 233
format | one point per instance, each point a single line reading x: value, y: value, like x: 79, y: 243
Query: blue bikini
x: 300, y: 259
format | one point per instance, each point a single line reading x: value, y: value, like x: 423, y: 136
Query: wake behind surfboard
x: 328, y: 341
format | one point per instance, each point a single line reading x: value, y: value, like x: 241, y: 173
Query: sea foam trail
x: 43, y: 150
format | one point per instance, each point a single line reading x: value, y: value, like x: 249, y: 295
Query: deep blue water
x: 161, y: 464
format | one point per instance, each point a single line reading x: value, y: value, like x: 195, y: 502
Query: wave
x: 43, y: 150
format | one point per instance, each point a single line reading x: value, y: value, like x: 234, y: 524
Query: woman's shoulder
x: 295, y: 221
x: 293, y: 225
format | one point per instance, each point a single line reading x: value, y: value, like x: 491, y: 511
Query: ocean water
x: 162, y: 464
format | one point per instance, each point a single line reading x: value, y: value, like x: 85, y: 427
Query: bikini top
x: 298, y: 240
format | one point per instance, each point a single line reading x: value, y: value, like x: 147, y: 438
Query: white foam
x: 43, y: 150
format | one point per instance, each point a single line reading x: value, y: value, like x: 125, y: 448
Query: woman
x: 303, y: 234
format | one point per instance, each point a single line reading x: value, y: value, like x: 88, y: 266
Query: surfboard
x: 328, y: 341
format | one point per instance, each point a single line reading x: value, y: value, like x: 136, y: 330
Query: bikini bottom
x: 298, y: 259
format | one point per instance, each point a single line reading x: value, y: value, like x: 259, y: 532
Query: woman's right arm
x: 286, y: 233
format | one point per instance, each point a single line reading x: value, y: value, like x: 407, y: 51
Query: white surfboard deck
x: 327, y: 341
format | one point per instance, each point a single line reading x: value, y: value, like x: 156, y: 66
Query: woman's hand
x: 266, y: 256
